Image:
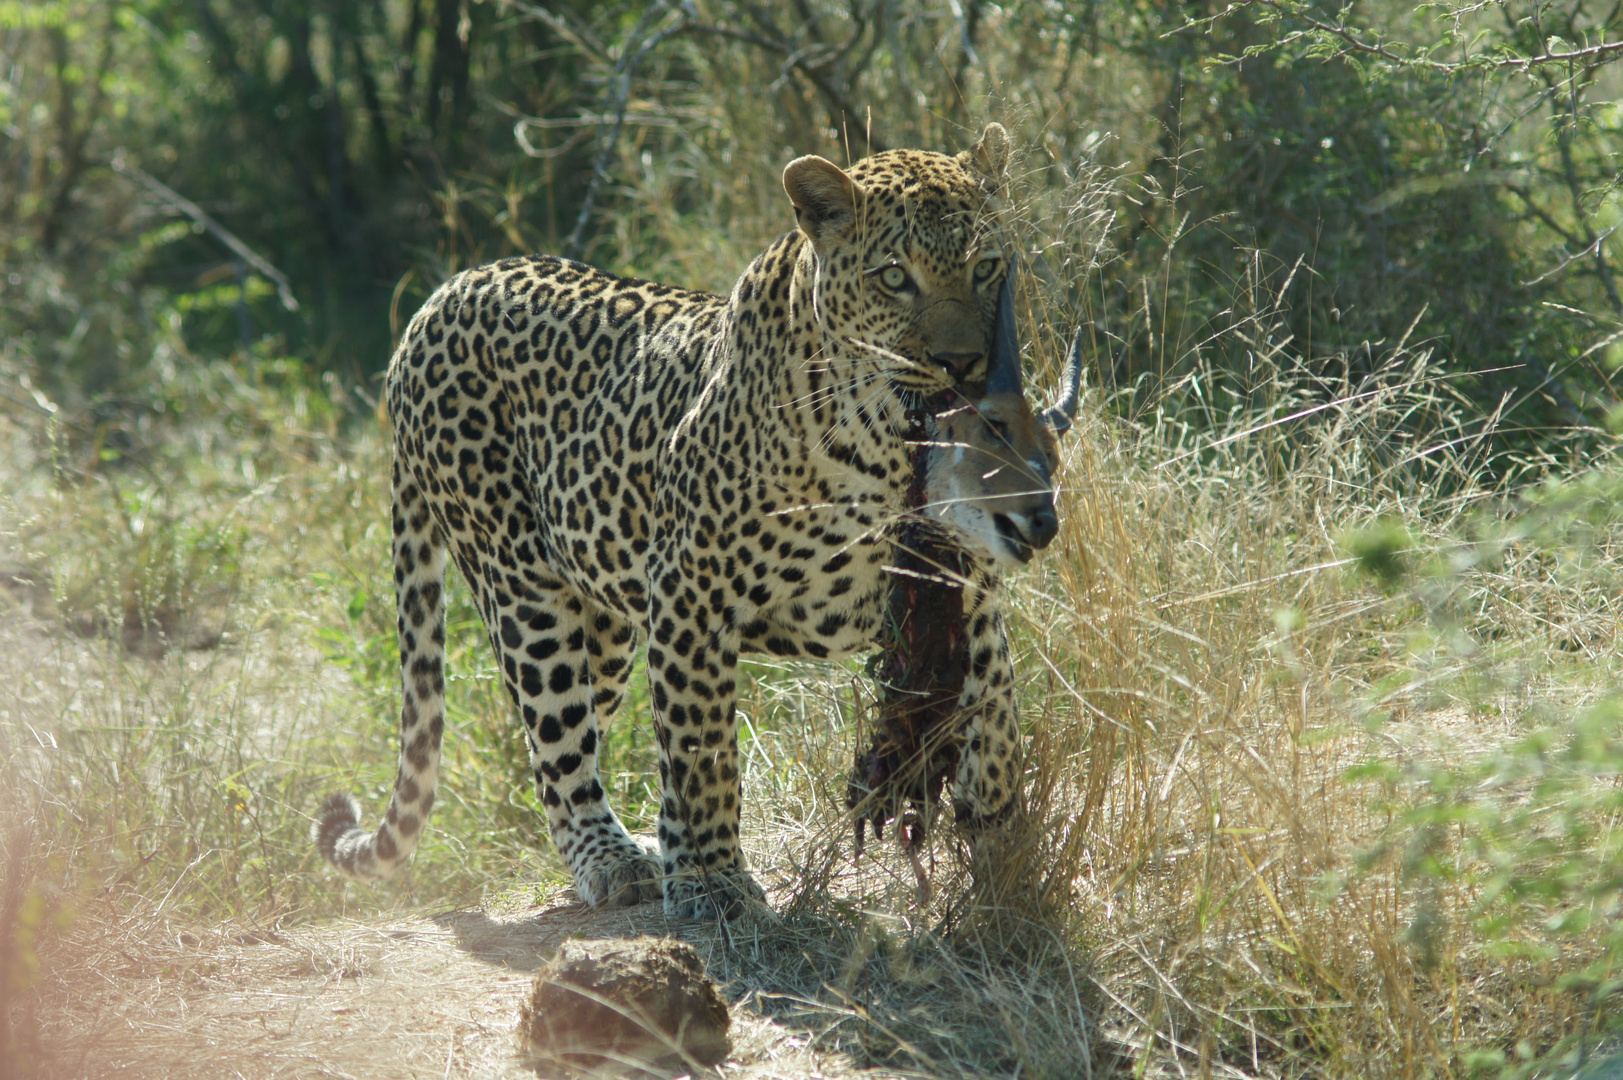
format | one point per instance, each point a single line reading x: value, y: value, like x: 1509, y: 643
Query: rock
x: 632, y: 1003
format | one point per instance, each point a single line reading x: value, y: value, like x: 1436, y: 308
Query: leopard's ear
x: 990, y: 154
x: 825, y: 198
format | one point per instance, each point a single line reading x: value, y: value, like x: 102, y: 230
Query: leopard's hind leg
x: 419, y: 577
x: 565, y: 664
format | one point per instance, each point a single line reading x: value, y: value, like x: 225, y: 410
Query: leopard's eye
x: 985, y: 269
x: 893, y: 278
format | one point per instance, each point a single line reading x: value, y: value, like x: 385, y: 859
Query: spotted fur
x: 605, y: 458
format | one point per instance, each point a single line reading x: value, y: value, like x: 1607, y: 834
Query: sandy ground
x: 436, y: 996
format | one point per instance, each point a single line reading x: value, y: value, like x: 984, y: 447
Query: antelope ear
x: 1056, y: 420
x: 990, y: 155
x: 824, y: 197
x: 1059, y: 416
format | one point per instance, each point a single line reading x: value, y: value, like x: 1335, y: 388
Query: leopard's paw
x: 623, y: 874
x: 710, y: 895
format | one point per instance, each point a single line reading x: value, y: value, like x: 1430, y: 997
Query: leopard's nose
x: 960, y: 365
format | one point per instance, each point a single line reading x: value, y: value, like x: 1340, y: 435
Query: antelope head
x: 991, y: 470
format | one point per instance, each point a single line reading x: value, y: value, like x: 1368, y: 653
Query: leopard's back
x: 530, y: 398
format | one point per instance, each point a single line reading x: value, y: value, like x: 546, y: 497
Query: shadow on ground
x: 424, y: 996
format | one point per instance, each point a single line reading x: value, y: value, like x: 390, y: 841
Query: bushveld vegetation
x: 1321, y: 678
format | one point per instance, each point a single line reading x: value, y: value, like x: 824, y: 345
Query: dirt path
x: 436, y: 996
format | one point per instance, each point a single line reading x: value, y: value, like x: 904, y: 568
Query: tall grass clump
x: 1328, y: 702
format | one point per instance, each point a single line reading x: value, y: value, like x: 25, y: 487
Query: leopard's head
x: 912, y: 285
x: 906, y: 261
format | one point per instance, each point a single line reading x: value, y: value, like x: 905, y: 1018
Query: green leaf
x: 1379, y: 550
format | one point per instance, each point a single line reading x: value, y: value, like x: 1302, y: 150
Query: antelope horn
x: 1062, y: 413
x: 1003, y: 376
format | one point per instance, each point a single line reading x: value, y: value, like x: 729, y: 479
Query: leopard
x: 614, y: 464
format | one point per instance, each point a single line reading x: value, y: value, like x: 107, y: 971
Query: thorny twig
x: 1589, y: 54
x: 619, y: 92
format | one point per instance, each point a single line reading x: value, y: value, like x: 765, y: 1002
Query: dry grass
x: 1267, y: 796
x: 1188, y: 892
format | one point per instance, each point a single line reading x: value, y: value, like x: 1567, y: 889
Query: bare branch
x: 811, y: 63
x: 220, y: 232
x: 619, y: 91
x: 579, y: 36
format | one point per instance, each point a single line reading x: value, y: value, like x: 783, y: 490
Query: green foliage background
x: 1444, y: 173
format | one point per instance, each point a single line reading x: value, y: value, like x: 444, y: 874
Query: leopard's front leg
x: 692, y: 676
x: 986, y: 787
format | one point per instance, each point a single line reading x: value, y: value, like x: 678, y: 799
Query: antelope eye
x: 999, y: 429
x: 985, y: 269
x: 893, y: 278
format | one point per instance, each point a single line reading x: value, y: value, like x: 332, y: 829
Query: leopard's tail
x: 419, y: 574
